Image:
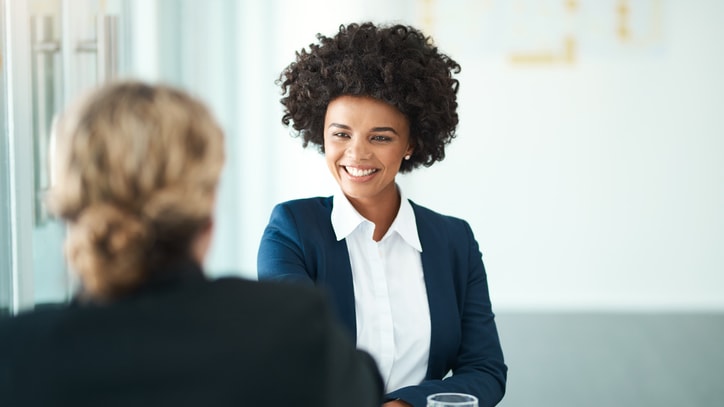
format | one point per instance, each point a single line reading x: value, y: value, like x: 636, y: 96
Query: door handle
x: 105, y: 46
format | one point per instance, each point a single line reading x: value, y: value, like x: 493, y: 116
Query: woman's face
x: 365, y: 141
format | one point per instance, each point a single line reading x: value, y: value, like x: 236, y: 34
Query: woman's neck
x: 381, y: 211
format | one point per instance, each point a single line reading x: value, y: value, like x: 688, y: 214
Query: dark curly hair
x: 396, y: 64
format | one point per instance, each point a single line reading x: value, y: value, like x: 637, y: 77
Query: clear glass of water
x: 452, y: 400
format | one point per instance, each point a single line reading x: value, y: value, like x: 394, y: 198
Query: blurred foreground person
x: 135, y: 177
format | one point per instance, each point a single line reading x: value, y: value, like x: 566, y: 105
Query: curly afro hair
x: 396, y: 64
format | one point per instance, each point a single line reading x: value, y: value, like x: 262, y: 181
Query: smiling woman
x: 365, y: 141
x: 408, y: 283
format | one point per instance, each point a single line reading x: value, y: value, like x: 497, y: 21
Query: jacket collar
x: 173, y: 273
x: 345, y: 220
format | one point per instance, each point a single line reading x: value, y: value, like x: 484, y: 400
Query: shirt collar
x: 345, y: 219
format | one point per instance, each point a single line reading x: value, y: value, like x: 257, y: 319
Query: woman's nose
x: 358, y: 149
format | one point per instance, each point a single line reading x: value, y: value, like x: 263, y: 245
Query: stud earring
x: 407, y: 157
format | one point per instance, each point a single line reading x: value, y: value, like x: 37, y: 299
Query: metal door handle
x: 105, y: 46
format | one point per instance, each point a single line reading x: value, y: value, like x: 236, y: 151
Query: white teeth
x: 356, y: 172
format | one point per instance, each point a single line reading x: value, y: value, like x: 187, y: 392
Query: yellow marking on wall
x: 428, y: 16
x: 545, y: 32
x: 566, y: 56
x: 654, y: 33
x: 624, y: 13
x: 572, y: 5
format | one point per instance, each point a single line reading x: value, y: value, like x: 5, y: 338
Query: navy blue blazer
x: 299, y: 245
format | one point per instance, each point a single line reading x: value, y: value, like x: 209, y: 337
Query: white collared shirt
x: 393, y: 317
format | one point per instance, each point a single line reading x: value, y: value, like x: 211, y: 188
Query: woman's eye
x: 340, y: 135
x: 381, y: 139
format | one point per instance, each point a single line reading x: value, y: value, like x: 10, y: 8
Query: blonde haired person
x: 135, y: 177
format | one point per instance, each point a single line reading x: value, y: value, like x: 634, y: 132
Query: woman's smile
x: 357, y: 172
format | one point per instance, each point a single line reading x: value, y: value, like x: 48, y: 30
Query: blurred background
x: 589, y: 161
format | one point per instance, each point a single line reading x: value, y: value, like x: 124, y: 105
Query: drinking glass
x: 452, y: 400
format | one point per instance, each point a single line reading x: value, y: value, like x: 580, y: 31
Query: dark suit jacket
x: 184, y: 340
x: 299, y: 245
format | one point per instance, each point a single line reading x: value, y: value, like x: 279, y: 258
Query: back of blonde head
x: 135, y: 174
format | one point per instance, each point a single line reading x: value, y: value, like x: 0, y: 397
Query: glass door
x: 52, y: 51
x: 49, y: 279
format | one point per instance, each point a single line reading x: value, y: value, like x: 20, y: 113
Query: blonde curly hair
x: 135, y: 172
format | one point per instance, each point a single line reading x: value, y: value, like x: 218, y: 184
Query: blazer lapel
x: 338, y: 275
x: 339, y: 278
x: 438, y: 283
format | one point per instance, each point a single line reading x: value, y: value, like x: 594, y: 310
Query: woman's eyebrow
x: 381, y: 129
x: 374, y: 129
x: 341, y: 126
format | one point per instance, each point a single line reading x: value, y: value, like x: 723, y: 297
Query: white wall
x: 596, y: 184
x: 593, y: 181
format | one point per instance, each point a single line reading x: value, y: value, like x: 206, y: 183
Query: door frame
x: 18, y: 182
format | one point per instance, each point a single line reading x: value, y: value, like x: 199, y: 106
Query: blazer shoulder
x: 318, y: 203
x: 23, y: 330
x: 426, y: 216
x: 305, y: 214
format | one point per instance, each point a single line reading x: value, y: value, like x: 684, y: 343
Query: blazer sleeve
x: 477, y: 366
x: 281, y: 255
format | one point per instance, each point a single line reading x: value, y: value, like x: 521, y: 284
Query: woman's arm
x: 280, y: 255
